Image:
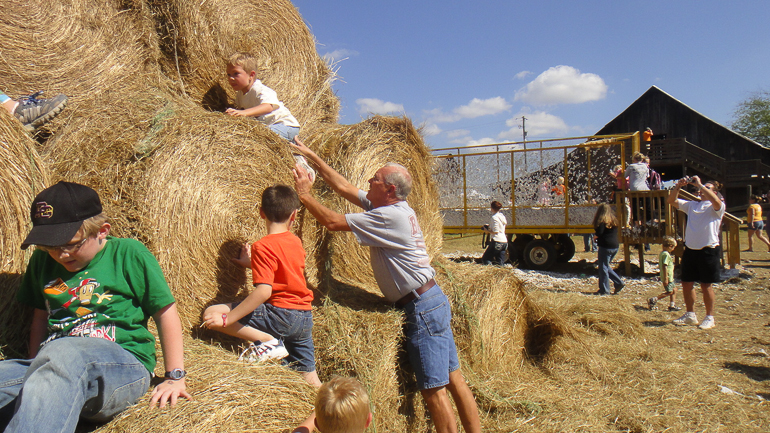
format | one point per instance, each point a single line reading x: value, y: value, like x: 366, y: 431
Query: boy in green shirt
x: 91, y: 354
x: 666, y: 264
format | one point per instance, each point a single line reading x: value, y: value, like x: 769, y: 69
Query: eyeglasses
x: 69, y: 248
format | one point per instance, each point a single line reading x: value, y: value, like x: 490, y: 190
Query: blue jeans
x: 589, y: 243
x: 495, y: 252
x: 429, y: 340
x: 3, y: 98
x: 293, y: 327
x: 606, y: 273
x: 286, y: 132
x: 70, y: 378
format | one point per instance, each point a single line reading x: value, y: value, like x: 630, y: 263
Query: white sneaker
x: 707, y: 323
x: 687, y: 319
x: 263, y: 352
x: 303, y: 163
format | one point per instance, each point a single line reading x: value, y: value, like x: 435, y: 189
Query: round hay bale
x: 105, y: 145
x: 22, y: 176
x: 357, y: 152
x: 75, y: 47
x: 200, y: 202
x: 228, y: 396
x: 197, y: 38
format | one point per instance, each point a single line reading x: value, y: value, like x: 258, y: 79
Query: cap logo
x: 44, y: 210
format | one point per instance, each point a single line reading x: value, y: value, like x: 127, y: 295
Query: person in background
x: 701, y: 260
x: 606, y: 226
x: 496, y: 249
x: 341, y: 406
x: 755, y: 222
x: 666, y: 264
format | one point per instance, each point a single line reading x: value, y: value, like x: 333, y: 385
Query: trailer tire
x: 540, y: 255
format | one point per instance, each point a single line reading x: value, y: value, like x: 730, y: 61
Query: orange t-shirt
x: 278, y: 260
x: 647, y: 135
x: 558, y: 189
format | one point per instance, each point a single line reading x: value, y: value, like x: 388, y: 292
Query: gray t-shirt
x: 397, y: 248
x: 637, y: 176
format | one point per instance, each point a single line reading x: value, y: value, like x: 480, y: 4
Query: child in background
x: 254, y: 99
x: 606, y: 226
x: 91, y: 354
x: 280, y: 304
x: 341, y: 406
x: 666, y: 264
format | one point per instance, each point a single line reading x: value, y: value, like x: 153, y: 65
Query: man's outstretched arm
x: 330, y: 219
x: 335, y: 180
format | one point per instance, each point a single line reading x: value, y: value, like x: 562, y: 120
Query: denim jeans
x: 293, y: 327
x: 606, y: 273
x: 495, y: 252
x: 286, y: 132
x: 70, y: 378
x: 430, y: 343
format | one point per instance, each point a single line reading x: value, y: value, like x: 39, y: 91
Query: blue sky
x: 468, y: 71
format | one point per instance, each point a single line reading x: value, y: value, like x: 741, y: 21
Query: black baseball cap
x: 58, y: 212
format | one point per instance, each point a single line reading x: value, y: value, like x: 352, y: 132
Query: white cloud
x: 378, y: 106
x: 523, y: 74
x: 457, y: 133
x: 431, y: 129
x: 563, y: 85
x: 480, y: 141
x: 539, y: 124
x: 337, y: 55
x: 476, y: 108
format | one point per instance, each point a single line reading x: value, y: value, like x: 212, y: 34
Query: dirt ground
x: 633, y: 370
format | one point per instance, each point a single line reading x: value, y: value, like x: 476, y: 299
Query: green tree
x: 752, y: 117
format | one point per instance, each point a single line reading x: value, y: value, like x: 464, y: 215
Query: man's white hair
x: 401, y: 179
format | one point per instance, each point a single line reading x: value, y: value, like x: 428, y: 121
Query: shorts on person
x: 702, y: 265
x: 293, y: 327
x: 429, y: 340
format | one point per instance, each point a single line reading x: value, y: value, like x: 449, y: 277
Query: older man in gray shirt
x: 402, y: 269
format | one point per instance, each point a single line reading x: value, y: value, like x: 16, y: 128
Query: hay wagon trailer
x: 523, y: 177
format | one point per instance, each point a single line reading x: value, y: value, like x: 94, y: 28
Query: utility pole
x: 523, y: 127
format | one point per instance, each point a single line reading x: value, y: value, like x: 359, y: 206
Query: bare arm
x: 170, y: 334
x: 328, y: 218
x: 335, y: 180
x: 307, y: 426
x: 707, y: 193
x: 37, y: 331
x: 259, y: 110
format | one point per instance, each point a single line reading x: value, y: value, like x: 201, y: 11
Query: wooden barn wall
x: 666, y: 115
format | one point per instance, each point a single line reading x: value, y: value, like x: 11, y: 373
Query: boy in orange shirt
x: 276, y: 318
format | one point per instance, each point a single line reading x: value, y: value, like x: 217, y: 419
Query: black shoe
x: 618, y: 289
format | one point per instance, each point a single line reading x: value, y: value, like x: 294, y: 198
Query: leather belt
x: 411, y: 296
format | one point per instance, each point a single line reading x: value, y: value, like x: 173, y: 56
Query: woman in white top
x: 637, y: 181
x: 496, y: 250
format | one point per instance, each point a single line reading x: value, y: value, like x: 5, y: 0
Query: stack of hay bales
x: 186, y: 181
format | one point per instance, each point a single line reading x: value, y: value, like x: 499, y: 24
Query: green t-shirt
x: 665, y: 259
x: 111, y: 298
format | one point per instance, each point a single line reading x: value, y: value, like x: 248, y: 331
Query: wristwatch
x: 175, y: 374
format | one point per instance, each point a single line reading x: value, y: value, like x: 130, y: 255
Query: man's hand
x: 302, y: 182
x: 299, y: 147
x: 235, y: 113
x: 169, y: 392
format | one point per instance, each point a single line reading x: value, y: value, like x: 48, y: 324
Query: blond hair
x: 245, y: 61
x: 668, y: 241
x: 91, y: 226
x: 638, y: 157
x: 342, y: 406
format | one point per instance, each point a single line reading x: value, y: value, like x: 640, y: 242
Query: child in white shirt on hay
x: 280, y: 304
x: 341, y: 406
x: 254, y: 99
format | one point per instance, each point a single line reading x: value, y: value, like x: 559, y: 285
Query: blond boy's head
x: 668, y: 242
x: 246, y: 61
x: 342, y: 406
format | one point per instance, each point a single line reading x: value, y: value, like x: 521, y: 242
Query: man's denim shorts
x: 293, y: 327
x: 429, y: 340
